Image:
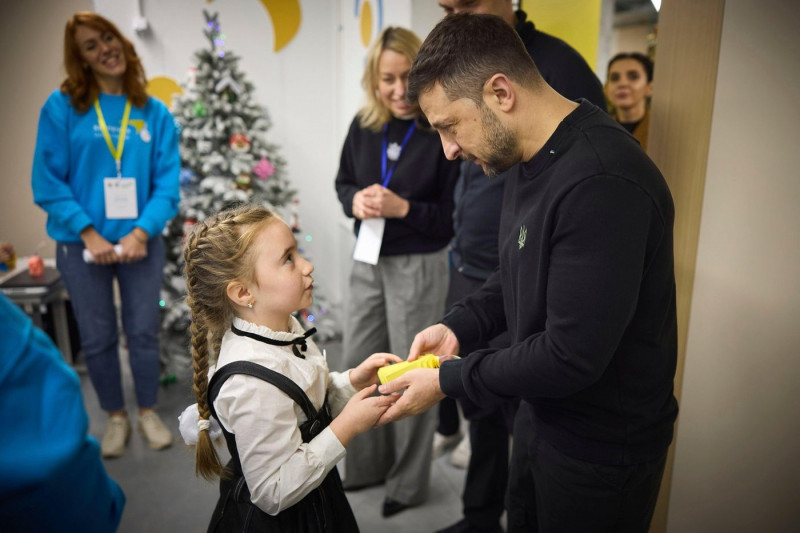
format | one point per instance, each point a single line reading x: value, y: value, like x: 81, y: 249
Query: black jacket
x: 586, y: 288
x: 477, y: 198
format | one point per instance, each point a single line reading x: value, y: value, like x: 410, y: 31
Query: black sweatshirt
x: 477, y: 198
x: 423, y: 176
x: 586, y: 288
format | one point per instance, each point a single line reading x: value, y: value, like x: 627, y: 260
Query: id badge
x: 370, y: 238
x: 120, y: 196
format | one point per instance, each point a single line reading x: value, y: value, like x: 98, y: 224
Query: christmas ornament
x: 200, y: 109
x: 264, y: 169
x: 228, y: 89
x: 240, y: 143
x: 186, y: 176
x: 244, y: 181
x: 191, y: 78
x: 188, y: 226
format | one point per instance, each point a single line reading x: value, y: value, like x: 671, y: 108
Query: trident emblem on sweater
x: 523, y: 234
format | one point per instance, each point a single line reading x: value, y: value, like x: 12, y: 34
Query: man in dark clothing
x: 476, y: 222
x: 585, y: 287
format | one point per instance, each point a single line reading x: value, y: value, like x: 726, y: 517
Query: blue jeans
x: 91, y: 291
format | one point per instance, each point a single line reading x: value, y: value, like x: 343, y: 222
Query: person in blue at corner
x: 51, y: 475
x: 105, y: 171
x: 474, y: 254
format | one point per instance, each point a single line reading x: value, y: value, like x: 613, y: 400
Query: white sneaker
x: 115, y: 437
x: 459, y: 457
x: 154, y: 430
x: 443, y: 443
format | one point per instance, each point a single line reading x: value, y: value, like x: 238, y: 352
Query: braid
x: 207, y: 463
x: 216, y: 254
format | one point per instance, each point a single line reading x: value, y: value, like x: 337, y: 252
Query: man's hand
x: 420, y: 391
x: 437, y: 339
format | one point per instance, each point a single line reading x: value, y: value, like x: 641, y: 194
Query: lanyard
x: 116, y: 153
x: 387, y: 176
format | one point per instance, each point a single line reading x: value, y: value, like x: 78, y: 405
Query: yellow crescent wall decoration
x: 286, y: 17
x: 366, y: 24
x: 163, y: 87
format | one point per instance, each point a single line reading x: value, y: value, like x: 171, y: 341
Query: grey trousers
x: 387, y: 305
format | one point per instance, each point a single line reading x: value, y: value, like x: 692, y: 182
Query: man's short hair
x: 463, y: 51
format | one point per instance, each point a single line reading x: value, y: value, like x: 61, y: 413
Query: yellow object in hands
x: 390, y: 372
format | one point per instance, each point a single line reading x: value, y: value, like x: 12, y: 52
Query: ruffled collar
x: 296, y: 338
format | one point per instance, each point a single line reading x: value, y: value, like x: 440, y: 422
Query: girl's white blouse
x: 280, y: 469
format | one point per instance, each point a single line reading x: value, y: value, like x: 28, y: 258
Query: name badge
x: 370, y: 238
x: 120, y: 196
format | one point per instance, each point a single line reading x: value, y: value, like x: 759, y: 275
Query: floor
x: 163, y: 493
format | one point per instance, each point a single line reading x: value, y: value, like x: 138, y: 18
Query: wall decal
x: 367, y: 20
x: 286, y: 17
x: 163, y: 88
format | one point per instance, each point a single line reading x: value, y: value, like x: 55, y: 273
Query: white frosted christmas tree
x: 226, y: 159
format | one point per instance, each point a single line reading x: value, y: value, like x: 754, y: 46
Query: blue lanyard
x: 387, y: 176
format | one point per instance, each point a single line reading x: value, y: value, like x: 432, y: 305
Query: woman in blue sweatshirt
x: 106, y: 170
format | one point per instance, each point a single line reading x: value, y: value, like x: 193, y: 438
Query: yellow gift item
x: 390, y: 372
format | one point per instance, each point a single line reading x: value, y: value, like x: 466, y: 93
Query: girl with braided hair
x: 270, y: 388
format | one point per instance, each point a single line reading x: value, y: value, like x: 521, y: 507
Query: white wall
x: 736, y: 461
x: 32, y: 39
x: 631, y: 39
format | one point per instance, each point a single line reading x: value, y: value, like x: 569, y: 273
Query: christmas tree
x: 225, y: 159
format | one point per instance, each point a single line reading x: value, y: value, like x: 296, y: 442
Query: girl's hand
x: 366, y: 373
x: 360, y: 414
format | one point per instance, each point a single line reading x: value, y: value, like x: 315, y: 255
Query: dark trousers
x: 487, y: 473
x: 550, y: 492
x: 489, y: 430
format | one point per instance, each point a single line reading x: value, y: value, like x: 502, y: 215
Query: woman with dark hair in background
x: 105, y: 170
x: 629, y: 85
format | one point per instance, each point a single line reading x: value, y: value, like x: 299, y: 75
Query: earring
x: 250, y: 305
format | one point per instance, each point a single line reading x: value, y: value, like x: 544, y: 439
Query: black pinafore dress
x: 325, y: 509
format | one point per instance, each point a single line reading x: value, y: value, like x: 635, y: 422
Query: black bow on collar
x: 294, y: 343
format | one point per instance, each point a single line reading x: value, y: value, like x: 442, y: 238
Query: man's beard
x: 501, y: 143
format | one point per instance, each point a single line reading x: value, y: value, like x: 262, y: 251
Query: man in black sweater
x: 476, y: 221
x: 585, y: 287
